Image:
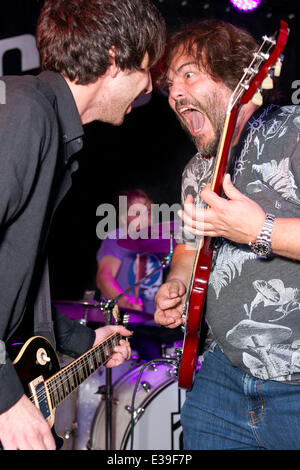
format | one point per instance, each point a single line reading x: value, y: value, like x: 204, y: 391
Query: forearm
x: 182, y: 264
x: 286, y: 237
x: 108, y: 286
x: 111, y: 289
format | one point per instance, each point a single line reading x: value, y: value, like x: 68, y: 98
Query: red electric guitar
x: 257, y: 76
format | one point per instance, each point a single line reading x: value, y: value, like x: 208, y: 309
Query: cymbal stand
x: 108, y: 308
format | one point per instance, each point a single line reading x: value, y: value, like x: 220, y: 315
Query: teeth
x: 183, y: 110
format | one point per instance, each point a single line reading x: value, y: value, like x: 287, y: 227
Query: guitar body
x: 194, y: 316
x: 30, y: 365
x: 46, y: 384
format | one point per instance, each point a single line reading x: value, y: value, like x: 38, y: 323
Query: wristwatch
x: 262, y: 245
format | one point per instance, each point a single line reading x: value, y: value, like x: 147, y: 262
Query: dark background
x: 148, y: 151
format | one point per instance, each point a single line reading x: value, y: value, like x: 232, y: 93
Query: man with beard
x: 246, y: 394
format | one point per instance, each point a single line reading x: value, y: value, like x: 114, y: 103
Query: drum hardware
x: 134, y: 415
x: 146, y: 386
x: 152, y: 367
x: 83, y: 311
x: 109, y: 312
x: 178, y: 355
x: 83, y: 321
x: 90, y: 310
x: 70, y: 432
x: 101, y: 390
x: 156, y: 412
x: 110, y: 309
x: 173, y: 352
x: 89, y: 401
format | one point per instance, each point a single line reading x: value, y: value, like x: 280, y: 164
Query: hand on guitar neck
x: 122, y: 352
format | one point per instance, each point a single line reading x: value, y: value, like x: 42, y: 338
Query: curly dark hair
x: 221, y: 49
x: 74, y: 36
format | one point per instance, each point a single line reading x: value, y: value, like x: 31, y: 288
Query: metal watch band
x: 266, y: 230
x: 262, y: 245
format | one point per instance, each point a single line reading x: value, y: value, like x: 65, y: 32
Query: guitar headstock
x: 265, y: 65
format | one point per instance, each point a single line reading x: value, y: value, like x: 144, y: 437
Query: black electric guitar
x: 46, y: 384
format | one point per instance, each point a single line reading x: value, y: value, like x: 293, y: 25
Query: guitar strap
x: 43, y: 324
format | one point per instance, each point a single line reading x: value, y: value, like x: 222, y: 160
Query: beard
x: 213, y: 108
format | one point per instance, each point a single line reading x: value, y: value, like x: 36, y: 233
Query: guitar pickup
x: 40, y: 397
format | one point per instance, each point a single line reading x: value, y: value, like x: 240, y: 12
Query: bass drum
x: 158, y: 403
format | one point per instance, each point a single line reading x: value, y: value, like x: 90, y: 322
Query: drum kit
x: 135, y: 405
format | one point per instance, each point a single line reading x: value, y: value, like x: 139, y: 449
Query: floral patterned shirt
x: 253, y: 304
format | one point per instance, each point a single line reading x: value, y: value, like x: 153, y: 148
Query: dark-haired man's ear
x: 113, y: 68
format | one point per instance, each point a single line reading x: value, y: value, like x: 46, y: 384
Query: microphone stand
x: 107, y: 306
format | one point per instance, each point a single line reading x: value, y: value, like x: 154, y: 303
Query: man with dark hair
x: 96, y: 57
x: 246, y: 394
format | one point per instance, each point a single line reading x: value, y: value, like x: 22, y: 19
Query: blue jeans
x: 229, y: 409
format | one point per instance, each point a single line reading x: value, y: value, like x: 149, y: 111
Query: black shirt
x: 40, y: 131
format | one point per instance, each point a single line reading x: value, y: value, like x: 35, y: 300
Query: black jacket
x: 40, y: 131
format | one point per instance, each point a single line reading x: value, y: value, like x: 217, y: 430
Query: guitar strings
x: 78, y: 366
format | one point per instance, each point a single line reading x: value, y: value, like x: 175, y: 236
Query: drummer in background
x: 117, y: 265
x: 119, y: 268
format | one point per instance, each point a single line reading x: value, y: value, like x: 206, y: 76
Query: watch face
x: 261, y: 248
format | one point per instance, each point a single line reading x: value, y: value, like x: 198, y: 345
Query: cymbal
x: 155, y: 239
x: 145, y: 246
x: 90, y: 309
x: 79, y: 309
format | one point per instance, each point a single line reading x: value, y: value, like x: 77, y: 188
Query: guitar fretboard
x: 62, y: 384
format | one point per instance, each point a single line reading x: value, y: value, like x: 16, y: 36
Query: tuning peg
x: 267, y: 83
x: 269, y: 40
x: 277, y: 68
x: 257, y: 98
x: 125, y: 320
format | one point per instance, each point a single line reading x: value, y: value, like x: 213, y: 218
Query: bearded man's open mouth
x: 193, y: 118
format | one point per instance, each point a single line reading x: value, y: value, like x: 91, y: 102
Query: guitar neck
x: 224, y: 150
x: 64, y: 382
